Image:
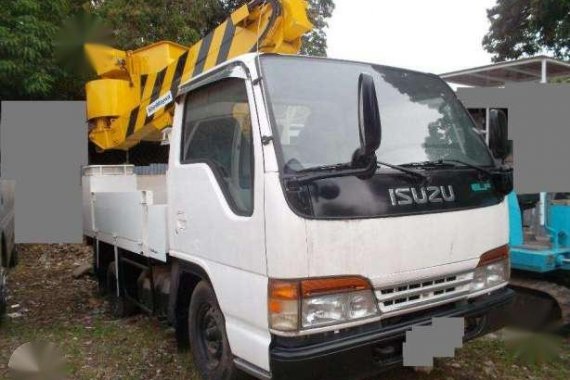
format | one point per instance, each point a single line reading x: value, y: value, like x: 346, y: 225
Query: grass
x: 65, y: 311
x: 136, y: 348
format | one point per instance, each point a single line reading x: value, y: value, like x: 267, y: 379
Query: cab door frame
x: 205, y: 231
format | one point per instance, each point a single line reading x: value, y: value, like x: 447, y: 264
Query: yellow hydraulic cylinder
x: 133, y: 99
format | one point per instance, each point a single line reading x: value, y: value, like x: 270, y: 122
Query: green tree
x: 137, y: 23
x: 28, y: 69
x: 41, y: 41
x: 528, y: 27
x: 315, y: 42
x: 80, y: 26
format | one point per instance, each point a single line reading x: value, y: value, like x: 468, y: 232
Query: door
x: 215, y: 178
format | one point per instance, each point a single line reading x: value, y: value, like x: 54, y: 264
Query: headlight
x: 337, y: 308
x: 319, y: 302
x: 493, y: 269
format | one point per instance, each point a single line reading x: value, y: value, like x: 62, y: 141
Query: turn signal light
x: 493, y: 269
x: 295, y: 304
x: 497, y: 254
x: 333, y: 285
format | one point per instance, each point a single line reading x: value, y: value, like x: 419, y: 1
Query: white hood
x: 386, y: 250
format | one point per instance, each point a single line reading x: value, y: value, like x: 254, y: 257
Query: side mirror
x: 498, y: 138
x: 368, y: 121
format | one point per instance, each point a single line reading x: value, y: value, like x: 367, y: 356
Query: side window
x: 217, y: 131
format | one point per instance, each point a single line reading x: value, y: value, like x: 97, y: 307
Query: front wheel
x: 207, y: 334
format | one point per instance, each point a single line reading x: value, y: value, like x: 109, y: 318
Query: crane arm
x: 133, y: 98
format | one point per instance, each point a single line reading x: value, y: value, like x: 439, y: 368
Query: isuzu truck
x: 310, y: 211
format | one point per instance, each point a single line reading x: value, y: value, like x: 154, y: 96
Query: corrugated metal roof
x: 521, y: 70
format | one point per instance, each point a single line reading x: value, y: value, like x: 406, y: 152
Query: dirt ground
x: 47, y: 304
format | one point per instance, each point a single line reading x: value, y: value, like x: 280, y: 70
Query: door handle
x: 181, y: 222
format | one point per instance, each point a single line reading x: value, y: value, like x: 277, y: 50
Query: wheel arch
x: 185, y: 276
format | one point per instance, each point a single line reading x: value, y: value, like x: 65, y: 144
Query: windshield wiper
x: 428, y: 164
x: 472, y: 166
x: 322, y: 172
x: 447, y: 163
x: 325, y: 168
x: 404, y: 170
x: 344, y: 170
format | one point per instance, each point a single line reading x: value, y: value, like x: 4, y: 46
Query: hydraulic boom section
x: 133, y: 99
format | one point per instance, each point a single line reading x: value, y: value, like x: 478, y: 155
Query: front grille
x: 411, y: 295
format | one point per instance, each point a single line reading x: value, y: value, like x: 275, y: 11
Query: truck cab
x: 312, y: 211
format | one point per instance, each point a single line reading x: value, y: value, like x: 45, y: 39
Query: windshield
x: 314, y: 105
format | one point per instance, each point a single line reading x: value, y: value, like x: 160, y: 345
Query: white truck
x: 311, y: 212
x: 8, y: 255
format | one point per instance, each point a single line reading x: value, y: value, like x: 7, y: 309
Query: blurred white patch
x: 36, y: 361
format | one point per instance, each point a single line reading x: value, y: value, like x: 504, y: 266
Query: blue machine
x: 540, y: 259
x: 546, y: 255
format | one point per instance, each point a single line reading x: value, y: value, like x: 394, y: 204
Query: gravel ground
x: 47, y: 304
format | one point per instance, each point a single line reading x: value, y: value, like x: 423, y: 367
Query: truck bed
x: 125, y: 209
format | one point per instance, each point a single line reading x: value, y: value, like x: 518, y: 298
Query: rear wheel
x: 119, y: 306
x: 3, y: 254
x: 100, y: 275
x: 208, y: 339
x: 7, y: 262
x: 102, y: 285
x: 2, y: 292
x: 13, y: 259
x: 2, y: 278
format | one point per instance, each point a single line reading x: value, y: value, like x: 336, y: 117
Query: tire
x: 3, y: 253
x: 101, y: 277
x: 102, y: 289
x: 3, y: 292
x: 119, y: 306
x: 207, y: 335
x: 14, y: 259
x: 100, y: 272
x: 3, y: 274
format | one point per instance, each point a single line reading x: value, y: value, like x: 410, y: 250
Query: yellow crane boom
x: 133, y: 99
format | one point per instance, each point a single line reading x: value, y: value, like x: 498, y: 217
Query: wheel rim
x: 210, y: 335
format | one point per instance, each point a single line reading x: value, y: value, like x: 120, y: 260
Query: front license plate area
x: 438, y: 340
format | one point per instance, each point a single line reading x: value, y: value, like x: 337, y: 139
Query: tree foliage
x: 137, y: 23
x: 315, y: 42
x: 41, y: 41
x: 27, y: 60
x: 528, y: 27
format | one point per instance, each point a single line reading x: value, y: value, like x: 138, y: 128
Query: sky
x: 435, y: 36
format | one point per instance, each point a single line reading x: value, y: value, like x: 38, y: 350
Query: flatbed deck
x: 126, y: 210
